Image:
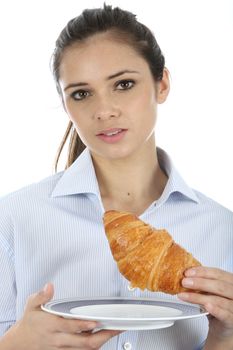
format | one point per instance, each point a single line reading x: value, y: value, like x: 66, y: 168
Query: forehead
x: 99, y: 55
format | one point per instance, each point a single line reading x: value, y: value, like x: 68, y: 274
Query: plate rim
x: 47, y: 308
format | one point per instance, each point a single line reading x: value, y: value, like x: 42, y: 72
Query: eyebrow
x: 108, y: 78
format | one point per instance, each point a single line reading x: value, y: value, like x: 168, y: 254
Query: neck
x: 130, y: 184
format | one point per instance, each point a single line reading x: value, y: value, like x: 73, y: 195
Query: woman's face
x: 110, y: 96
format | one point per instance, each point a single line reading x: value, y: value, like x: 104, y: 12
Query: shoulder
x: 21, y: 208
x: 212, y: 208
x: 23, y: 205
x: 29, y: 194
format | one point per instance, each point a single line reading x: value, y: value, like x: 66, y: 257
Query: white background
x: 195, y: 124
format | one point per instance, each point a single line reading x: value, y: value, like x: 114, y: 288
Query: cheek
x: 146, y: 105
x: 74, y: 113
x: 79, y: 123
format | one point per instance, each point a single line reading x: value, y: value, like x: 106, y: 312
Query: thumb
x: 42, y: 297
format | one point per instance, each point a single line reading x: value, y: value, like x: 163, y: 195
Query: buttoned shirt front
x: 53, y: 231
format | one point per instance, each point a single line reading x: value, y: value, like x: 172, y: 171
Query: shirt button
x: 127, y: 346
x: 130, y: 288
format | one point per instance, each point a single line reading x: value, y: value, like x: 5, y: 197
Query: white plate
x: 125, y: 313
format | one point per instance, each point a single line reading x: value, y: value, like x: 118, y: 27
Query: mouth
x: 110, y: 132
x: 112, y: 135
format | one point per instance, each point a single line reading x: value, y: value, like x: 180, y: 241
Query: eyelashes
x: 128, y: 84
x: 79, y: 95
x: 122, y: 85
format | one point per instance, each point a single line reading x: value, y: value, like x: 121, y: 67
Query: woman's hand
x: 40, y: 330
x: 216, y: 287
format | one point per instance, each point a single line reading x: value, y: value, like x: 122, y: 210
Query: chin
x: 112, y: 153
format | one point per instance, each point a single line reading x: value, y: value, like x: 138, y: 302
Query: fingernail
x: 187, y: 282
x: 45, y: 288
x: 190, y: 272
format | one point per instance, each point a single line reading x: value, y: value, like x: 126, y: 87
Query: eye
x: 125, y: 84
x: 79, y: 95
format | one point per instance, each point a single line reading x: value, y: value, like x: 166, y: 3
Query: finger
x: 84, y: 341
x: 75, y: 326
x: 210, y: 273
x: 210, y: 286
x: 216, y: 306
x: 206, y: 300
x: 96, y: 340
x: 223, y: 315
x: 42, y: 297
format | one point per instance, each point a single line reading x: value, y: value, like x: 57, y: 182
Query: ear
x: 163, y: 87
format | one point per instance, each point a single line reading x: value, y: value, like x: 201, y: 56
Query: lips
x: 111, y: 132
x: 112, y: 136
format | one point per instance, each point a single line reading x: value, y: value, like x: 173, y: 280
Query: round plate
x: 125, y: 313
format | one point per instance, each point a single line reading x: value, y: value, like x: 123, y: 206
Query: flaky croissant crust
x: 148, y: 258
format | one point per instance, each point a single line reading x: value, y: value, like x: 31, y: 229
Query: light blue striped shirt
x: 53, y: 231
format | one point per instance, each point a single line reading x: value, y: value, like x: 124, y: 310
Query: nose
x: 106, y: 110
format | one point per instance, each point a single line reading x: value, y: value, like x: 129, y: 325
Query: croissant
x: 148, y: 258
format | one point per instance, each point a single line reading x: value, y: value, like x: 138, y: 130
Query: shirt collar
x: 80, y: 178
x: 175, y: 183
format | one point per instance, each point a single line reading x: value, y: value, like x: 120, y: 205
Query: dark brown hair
x: 124, y: 26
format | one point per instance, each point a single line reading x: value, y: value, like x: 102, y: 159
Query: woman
x: 110, y: 74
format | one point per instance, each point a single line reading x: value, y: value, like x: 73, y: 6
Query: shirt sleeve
x: 7, y: 275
